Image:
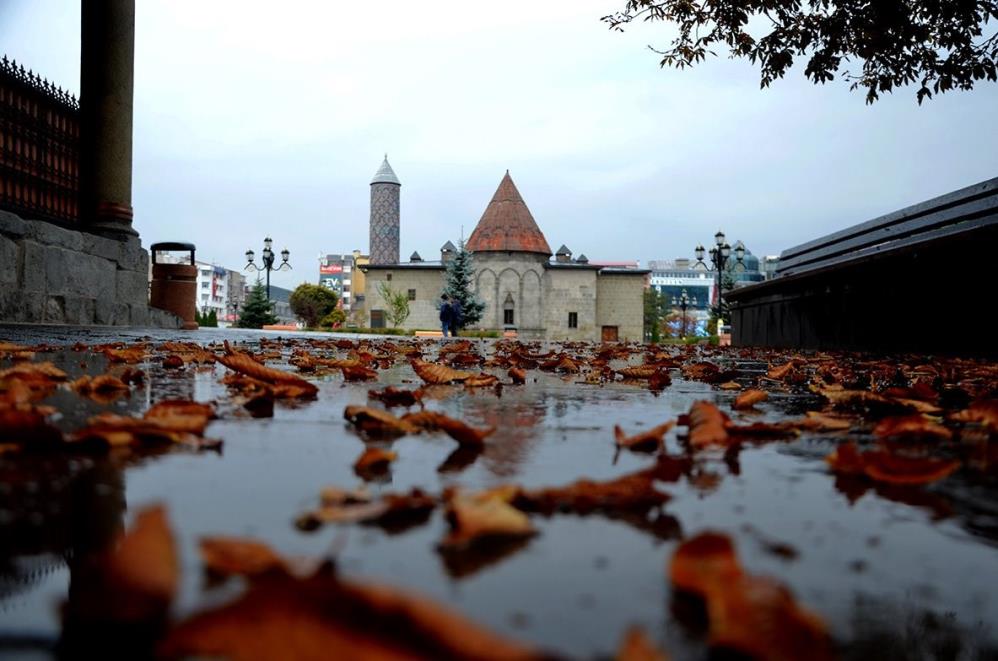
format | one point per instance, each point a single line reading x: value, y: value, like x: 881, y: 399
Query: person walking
x: 446, y: 315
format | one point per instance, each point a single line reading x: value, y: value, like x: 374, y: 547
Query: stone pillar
x: 107, y: 50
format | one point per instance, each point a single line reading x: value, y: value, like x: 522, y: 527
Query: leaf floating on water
x: 359, y: 373
x: 392, y: 396
x: 749, y: 398
x: 135, y: 581
x: 632, y: 492
x: 637, y: 647
x: 646, y: 441
x: 483, y: 516
x: 707, y: 425
x: 376, y: 422
x: 459, y: 431
x: 751, y: 615
x: 435, y: 374
x: 518, y: 375
x: 911, y: 427
x: 890, y: 467
x: 244, y: 364
x: 374, y: 461
x: 233, y: 556
x: 984, y: 412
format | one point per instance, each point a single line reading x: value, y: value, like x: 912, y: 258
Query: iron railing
x: 39, y: 147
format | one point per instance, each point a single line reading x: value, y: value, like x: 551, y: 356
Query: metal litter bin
x: 174, y: 286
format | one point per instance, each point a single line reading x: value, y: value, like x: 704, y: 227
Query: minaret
x: 385, y: 189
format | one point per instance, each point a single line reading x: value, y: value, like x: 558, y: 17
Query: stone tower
x: 385, y: 189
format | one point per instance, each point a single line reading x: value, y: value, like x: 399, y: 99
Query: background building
x: 335, y: 273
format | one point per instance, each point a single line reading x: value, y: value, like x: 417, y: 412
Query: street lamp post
x: 719, y: 256
x: 268, y: 261
x: 684, y: 302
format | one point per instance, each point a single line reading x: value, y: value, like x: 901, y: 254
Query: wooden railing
x: 39, y: 147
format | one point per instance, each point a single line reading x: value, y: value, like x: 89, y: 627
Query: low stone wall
x: 53, y: 275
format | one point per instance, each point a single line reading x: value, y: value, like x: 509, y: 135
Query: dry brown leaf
x: 482, y: 380
x: 436, y: 374
x: 646, y: 441
x: 749, y: 399
x: 892, y: 468
x: 518, y: 375
x: 233, y: 556
x: 459, y: 431
x: 374, y: 460
x: 244, y: 364
x: 392, y: 396
x: 30, y: 372
x: 633, y: 492
x: 638, y: 372
x: 911, y: 427
x: 322, y: 617
x: 376, y: 422
x: 135, y: 581
x: 358, y: 373
x: 983, y: 411
x: 486, y: 515
x: 707, y: 425
x: 637, y: 647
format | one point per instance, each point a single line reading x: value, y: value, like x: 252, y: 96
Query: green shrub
x: 333, y: 319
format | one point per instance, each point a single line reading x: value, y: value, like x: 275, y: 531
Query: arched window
x: 508, y: 316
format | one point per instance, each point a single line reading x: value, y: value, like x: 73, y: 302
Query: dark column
x: 107, y: 50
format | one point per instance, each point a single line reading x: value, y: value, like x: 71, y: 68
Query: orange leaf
x: 482, y: 380
x: 518, y: 375
x: 437, y: 374
x: 231, y: 556
x: 487, y: 515
x: 707, y: 425
x: 983, y: 411
x: 638, y: 372
x: 637, y: 647
x: 911, y: 427
x: 634, y: 492
x: 376, y: 422
x: 374, y: 460
x: 358, y: 373
x: 884, y: 466
x: 646, y: 441
x: 392, y: 396
x: 245, y: 364
x: 459, y: 431
x: 134, y: 582
x: 749, y: 399
x: 704, y: 564
x: 846, y: 459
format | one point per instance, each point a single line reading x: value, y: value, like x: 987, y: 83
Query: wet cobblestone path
x: 894, y: 567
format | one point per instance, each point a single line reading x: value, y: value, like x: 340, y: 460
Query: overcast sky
x: 256, y: 118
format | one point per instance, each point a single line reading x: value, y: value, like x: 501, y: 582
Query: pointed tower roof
x: 449, y: 247
x: 385, y: 174
x: 507, y: 224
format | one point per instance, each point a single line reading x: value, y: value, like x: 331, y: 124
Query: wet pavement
x: 895, y: 572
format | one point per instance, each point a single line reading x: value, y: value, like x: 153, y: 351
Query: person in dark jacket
x: 446, y: 315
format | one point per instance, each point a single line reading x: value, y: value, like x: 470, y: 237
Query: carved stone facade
x: 522, y: 288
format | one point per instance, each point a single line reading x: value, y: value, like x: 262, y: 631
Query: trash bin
x: 174, y: 286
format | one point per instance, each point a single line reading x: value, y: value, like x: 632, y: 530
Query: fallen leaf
x: 911, y: 427
x: 376, y: 422
x: 244, y: 364
x: 631, y: 492
x: 518, y: 375
x: 637, y: 647
x: 359, y: 373
x: 707, y: 425
x: 433, y: 373
x: 459, y: 431
x: 749, y: 399
x: 392, y: 396
x: 233, y: 556
x: 373, y: 461
x: 892, y: 468
x: 485, y: 515
x: 646, y: 441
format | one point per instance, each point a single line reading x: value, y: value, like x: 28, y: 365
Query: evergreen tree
x: 212, y: 319
x: 460, y: 274
x: 257, y: 310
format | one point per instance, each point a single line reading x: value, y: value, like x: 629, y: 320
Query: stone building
x: 523, y: 289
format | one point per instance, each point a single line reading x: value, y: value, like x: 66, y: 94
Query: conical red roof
x: 507, y: 224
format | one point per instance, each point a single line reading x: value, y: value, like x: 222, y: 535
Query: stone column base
x: 51, y: 275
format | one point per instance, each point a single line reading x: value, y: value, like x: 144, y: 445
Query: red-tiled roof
x: 507, y: 224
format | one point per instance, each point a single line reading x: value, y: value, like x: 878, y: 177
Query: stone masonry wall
x: 620, y: 303
x: 570, y: 291
x: 424, y: 311
x: 58, y: 276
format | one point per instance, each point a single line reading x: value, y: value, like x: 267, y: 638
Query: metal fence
x: 39, y: 147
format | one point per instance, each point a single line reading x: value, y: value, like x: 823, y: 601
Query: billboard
x: 333, y: 268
